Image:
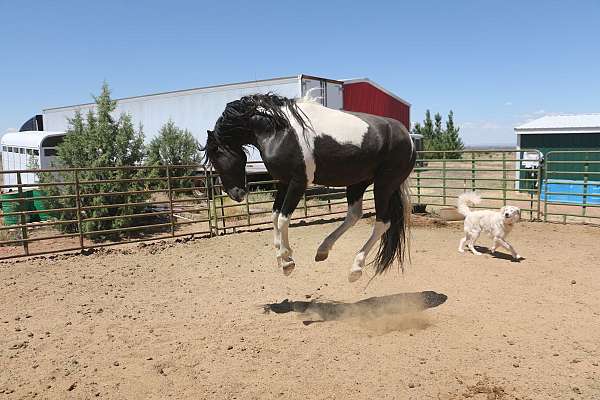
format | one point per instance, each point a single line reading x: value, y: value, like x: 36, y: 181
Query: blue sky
x: 495, y: 63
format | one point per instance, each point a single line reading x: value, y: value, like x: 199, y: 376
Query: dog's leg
x: 461, y: 246
x: 510, y: 248
x: 495, y: 245
x: 472, y: 239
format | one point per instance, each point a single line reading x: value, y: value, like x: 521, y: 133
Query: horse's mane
x: 237, y: 114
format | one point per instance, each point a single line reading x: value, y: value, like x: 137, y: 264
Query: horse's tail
x: 395, y: 242
x: 465, y: 200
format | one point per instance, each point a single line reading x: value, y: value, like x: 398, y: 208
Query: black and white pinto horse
x: 302, y: 143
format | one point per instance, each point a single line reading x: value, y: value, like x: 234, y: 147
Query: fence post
x: 419, y: 186
x: 213, y: 203
x: 23, y: 217
x: 209, y: 196
x: 472, y: 171
x: 247, y: 201
x: 305, y: 206
x: 78, y: 205
x: 504, y: 178
x: 539, y: 186
x: 444, y: 176
x: 222, y: 213
x: 170, y: 200
x: 585, y: 187
x: 545, y: 182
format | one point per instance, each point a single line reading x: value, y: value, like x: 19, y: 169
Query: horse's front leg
x: 277, y: 204
x: 295, y: 190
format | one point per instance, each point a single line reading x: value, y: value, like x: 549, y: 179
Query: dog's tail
x: 467, y: 199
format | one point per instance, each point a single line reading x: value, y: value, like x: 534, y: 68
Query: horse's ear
x: 210, y: 133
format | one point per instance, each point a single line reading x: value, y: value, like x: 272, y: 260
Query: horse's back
x: 348, y: 127
x: 349, y: 147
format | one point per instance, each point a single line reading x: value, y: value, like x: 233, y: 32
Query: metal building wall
x: 195, y: 110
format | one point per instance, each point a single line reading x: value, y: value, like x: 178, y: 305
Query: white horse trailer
x: 24, y: 150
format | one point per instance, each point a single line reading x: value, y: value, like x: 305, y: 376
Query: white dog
x: 497, y: 224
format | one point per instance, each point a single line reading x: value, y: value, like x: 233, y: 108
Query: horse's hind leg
x: 383, y: 193
x: 354, y: 196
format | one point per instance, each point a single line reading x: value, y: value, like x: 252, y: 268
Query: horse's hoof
x: 288, y: 267
x: 321, y: 256
x: 354, y: 276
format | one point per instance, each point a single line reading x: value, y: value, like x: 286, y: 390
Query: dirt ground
x: 185, y: 320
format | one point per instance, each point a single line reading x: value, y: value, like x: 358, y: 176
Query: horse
x: 302, y: 143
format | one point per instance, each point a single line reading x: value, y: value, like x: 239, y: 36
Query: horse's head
x: 230, y: 163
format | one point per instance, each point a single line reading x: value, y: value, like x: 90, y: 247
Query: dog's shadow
x: 371, y: 308
x: 497, y: 254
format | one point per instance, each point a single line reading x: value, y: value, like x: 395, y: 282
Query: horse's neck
x: 261, y: 139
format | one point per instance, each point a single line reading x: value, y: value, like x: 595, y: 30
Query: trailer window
x: 9, y: 149
x: 3, y: 148
x: 36, y: 152
x: 50, y: 152
x: 22, y: 150
x: 52, y: 141
x: 30, y: 152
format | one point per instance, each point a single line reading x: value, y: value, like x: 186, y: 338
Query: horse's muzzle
x: 237, y: 194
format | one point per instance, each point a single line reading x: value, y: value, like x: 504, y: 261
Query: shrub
x: 174, y: 146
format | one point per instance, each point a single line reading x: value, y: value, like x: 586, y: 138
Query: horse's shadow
x: 498, y: 255
x: 368, y: 309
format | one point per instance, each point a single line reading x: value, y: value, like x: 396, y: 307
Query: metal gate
x: 571, y: 186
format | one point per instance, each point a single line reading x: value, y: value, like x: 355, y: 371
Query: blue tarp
x: 573, y: 191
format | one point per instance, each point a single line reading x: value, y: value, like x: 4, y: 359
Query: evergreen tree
x: 99, y: 141
x: 437, y: 139
x: 437, y: 128
x: 451, y: 138
x: 427, y: 127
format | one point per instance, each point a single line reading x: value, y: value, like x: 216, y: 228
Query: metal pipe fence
x: 500, y: 176
x: 84, y: 208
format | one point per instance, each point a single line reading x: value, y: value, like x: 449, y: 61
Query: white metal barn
x: 20, y: 149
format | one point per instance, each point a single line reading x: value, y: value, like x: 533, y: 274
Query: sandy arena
x: 185, y: 321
